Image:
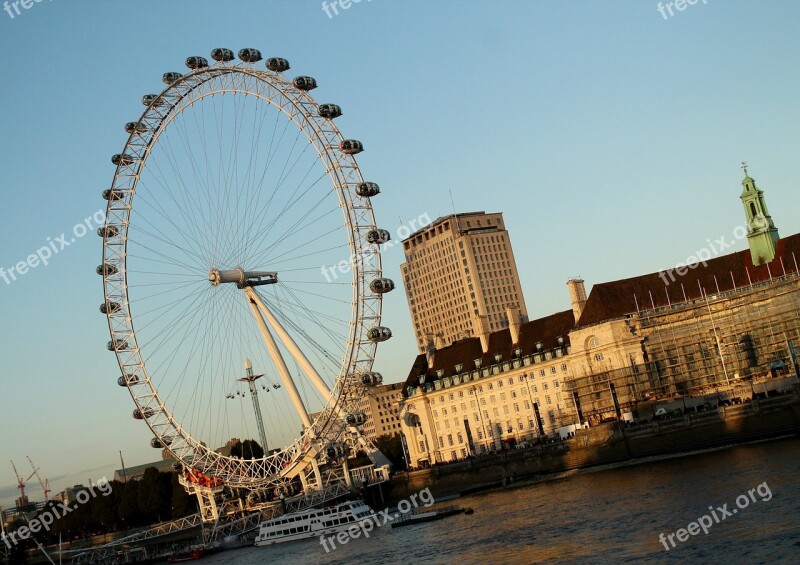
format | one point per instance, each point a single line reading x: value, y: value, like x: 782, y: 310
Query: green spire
x: 762, y: 235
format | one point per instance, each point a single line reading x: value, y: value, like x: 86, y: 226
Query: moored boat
x: 313, y: 522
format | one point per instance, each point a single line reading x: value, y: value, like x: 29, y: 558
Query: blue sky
x: 609, y: 137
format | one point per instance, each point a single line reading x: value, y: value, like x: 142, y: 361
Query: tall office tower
x: 461, y: 279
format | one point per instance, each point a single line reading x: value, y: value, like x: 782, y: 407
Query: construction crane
x: 23, y: 500
x: 44, y: 483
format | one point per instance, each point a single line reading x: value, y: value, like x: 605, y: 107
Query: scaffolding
x: 717, y: 342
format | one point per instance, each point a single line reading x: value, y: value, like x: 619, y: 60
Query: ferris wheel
x: 239, y: 230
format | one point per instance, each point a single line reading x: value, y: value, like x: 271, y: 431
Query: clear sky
x: 609, y: 135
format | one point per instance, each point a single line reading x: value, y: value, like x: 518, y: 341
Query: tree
x: 153, y: 497
x: 392, y: 447
x: 248, y: 449
x: 128, y: 510
x: 183, y: 504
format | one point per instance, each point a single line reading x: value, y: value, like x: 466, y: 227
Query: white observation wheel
x: 239, y: 227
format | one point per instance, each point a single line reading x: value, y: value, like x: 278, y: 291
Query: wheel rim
x: 137, y: 244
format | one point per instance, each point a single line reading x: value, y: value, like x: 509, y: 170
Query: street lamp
x: 525, y: 377
x: 480, y: 412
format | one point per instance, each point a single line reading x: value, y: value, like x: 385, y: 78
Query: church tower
x: 762, y: 235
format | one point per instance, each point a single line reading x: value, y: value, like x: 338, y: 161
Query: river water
x: 612, y: 516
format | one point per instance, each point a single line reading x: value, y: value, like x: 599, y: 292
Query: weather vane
x: 744, y: 167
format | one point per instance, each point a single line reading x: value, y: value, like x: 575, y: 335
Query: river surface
x: 612, y: 516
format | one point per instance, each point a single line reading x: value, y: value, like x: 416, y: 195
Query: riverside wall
x: 609, y: 444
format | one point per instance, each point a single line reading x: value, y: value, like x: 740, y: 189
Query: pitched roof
x: 618, y: 298
x: 546, y: 330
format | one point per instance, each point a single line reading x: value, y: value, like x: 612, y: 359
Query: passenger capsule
x: 117, y: 345
x: 368, y: 189
x: 130, y: 380
x: 278, y: 64
x: 150, y: 99
x: 378, y: 236
x: 106, y: 269
x: 122, y: 159
x: 141, y: 414
x: 351, y: 146
x: 109, y: 194
x: 135, y: 127
x: 160, y: 443
x: 381, y: 286
x: 169, y: 78
x: 329, y: 111
x: 371, y: 379
x: 195, y: 62
x: 108, y: 231
x: 305, y: 83
x: 250, y: 55
x: 221, y: 54
x: 335, y: 451
x: 354, y: 419
x: 110, y: 307
x: 378, y: 334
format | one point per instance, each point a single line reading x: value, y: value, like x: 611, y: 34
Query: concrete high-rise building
x: 380, y: 407
x: 461, y: 279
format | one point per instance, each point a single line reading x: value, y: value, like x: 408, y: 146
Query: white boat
x: 313, y: 522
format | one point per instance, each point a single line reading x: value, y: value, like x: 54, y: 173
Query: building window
x: 450, y: 440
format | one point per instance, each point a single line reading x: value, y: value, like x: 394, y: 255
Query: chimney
x: 480, y: 325
x: 514, y: 322
x: 577, y: 295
